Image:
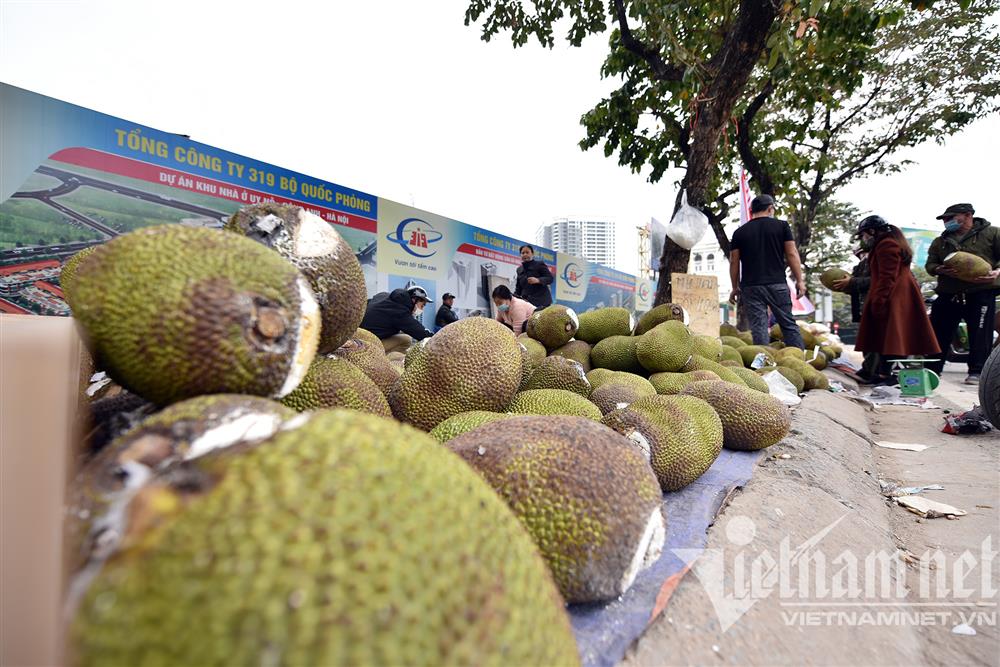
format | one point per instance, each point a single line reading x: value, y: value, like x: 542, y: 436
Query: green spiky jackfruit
x: 728, y: 330
x: 672, y: 383
x: 791, y: 352
x: 683, y: 435
x: 536, y: 350
x: 792, y: 376
x: 303, y: 551
x: 553, y: 326
x: 967, y: 266
x: 745, y: 336
x: 811, y: 378
x: 596, y: 325
x: 472, y: 364
x: 577, y: 350
x: 337, y: 383
x: 613, y: 396
x: 733, y: 342
x: 730, y: 363
x: 367, y: 336
x: 751, y: 420
x: 616, y: 353
x: 463, y: 422
x: 731, y: 354
x: 751, y: 379
x: 559, y: 373
x: 749, y: 352
x: 831, y: 276
x: 602, y: 376
x: 665, y: 312
x: 68, y: 272
x: 553, y: 402
x: 174, y: 312
x: 665, y: 348
x: 371, y: 359
x: 701, y: 364
x: 585, y: 494
x: 707, y: 346
x: 315, y: 247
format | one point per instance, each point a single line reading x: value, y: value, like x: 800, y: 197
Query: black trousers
x: 756, y: 301
x: 978, y: 309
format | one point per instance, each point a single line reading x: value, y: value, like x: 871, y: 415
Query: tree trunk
x: 729, y: 70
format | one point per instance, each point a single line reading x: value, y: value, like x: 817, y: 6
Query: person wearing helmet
x: 894, y: 321
x: 395, y: 319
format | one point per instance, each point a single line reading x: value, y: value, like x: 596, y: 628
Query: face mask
x: 860, y: 252
x: 417, y: 312
x: 952, y: 226
x: 867, y: 244
x: 503, y: 307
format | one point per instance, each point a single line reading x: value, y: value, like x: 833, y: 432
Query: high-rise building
x: 594, y: 240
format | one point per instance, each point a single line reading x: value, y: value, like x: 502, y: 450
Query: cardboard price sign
x: 699, y: 295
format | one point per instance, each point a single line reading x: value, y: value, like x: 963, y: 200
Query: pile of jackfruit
x: 272, y: 488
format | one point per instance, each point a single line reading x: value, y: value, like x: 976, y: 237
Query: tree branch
x: 662, y: 70
x: 750, y: 161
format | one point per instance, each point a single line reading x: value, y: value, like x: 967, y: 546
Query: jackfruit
x: 829, y: 352
x: 367, y: 336
x: 791, y: 352
x: 577, y: 350
x: 967, y: 266
x: 749, y: 352
x: 602, y: 376
x: 598, y: 376
x: 666, y: 347
x: 730, y: 363
x: 614, y: 396
x: 727, y: 330
x: 536, y: 351
x: 174, y: 312
x: 553, y: 402
x: 750, y: 419
x: 336, y: 542
x: 585, y: 493
x: 681, y: 435
x: 616, y: 353
x: 830, y: 276
x: 745, y: 336
x: 665, y: 312
x: 315, y: 248
x: 794, y: 377
x: 337, y: 383
x: 818, y: 362
x: 708, y: 347
x: 559, y: 373
x: 553, y: 326
x: 751, y: 379
x: 672, y: 383
x: 776, y: 332
x: 464, y: 422
x: 701, y: 364
x: 733, y: 342
x: 471, y: 364
x: 596, y: 325
x: 371, y: 359
x: 731, y: 354
x: 68, y: 271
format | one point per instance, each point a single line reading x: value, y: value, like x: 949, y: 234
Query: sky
x: 398, y: 98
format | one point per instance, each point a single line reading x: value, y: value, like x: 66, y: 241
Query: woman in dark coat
x: 894, y: 321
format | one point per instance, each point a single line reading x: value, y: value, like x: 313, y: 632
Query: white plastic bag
x: 688, y: 225
x: 779, y: 387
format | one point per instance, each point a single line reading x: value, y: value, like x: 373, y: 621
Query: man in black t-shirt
x: 761, y: 249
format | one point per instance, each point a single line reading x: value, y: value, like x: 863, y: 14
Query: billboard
x: 71, y: 178
x: 920, y: 241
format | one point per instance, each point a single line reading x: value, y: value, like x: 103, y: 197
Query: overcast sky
x: 399, y: 99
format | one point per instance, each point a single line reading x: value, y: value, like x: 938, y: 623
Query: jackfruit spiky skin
x: 584, y: 492
x: 751, y: 420
x: 776, y: 345
x: 413, y: 352
x: 577, y: 350
x: 68, y: 272
x: 729, y: 363
x: 665, y: 348
x: 751, y: 379
x: 672, y: 383
x: 472, y: 364
x: 665, y: 312
x: 598, y: 376
x: 559, y: 373
x: 733, y: 342
x: 829, y: 352
x: 553, y: 326
x: 463, y: 422
x: 186, y: 429
x: 776, y: 333
x: 808, y: 338
x: 731, y: 354
x: 612, y: 396
x: 745, y: 336
x: 830, y: 276
x: 749, y: 352
x: 707, y: 346
x: 683, y: 433
x: 368, y: 337
x: 617, y: 353
x: 818, y: 362
x: 811, y: 378
x: 794, y: 377
x: 792, y: 352
x: 553, y: 402
x: 602, y: 376
x: 596, y: 325
x: 728, y: 330
x: 174, y: 312
x: 337, y: 383
x: 967, y: 266
x: 321, y: 254
x: 701, y: 364
x: 536, y: 350
x: 371, y: 359
x: 337, y: 542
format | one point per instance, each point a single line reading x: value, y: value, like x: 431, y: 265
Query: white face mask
x: 418, y: 311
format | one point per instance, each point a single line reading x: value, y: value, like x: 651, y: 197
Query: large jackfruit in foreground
x: 751, y: 420
x: 665, y: 348
x: 967, y: 266
x: 67, y: 274
x: 681, y: 435
x: 321, y: 254
x: 553, y: 326
x: 585, y: 493
x: 553, y: 402
x: 663, y: 313
x: 337, y: 383
x: 336, y: 543
x: 557, y: 372
x: 472, y: 364
x: 174, y: 312
x: 596, y: 325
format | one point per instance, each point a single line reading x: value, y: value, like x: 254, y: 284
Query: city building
x: 707, y: 259
x: 591, y: 239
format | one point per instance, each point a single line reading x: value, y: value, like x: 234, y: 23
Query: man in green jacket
x: 957, y: 299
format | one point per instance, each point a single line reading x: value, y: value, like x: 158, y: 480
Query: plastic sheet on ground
x: 605, y: 631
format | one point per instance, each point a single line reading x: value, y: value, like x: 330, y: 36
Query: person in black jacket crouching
x: 395, y: 319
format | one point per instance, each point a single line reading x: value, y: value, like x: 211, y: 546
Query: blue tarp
x: 605, y: 631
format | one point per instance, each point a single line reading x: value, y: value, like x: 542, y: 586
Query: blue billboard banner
x: 920, y: 241
x: 585, y: 285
